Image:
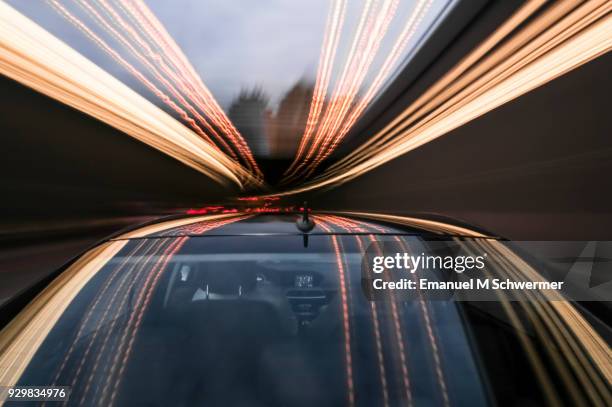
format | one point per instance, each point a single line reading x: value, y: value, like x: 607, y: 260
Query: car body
x: 244, y: 309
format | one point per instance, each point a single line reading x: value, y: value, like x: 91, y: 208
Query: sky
x: 237, y: 45
x: 244, y: 43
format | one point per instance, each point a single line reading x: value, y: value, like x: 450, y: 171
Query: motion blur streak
x: 78, y: 24
x: 35, y: 58
x: 333, y: 27
x: 59, y: 294
x: 169, y: 60
x: 173, y: 53
x: 363, y: 50
x: 345, y: 315
x: 429, y: 225
x: 527, y: 342
x: 161, y: 227
x: 502, y: 62
x: 396, y: 326
x: 433, y: 341
x: 424, y: 309
x: 582, y: 333
x: 119, y: 287
x: 99, y: 17
x: 550, y: 329
x: 589, y: 356
x: 383, y: 73
x: 462, y: 67
x: 375, y: 316
x: 397, y: 329
x: 64, y: 12
x: 558, y: 41
x: 343, y: 110
x: 144, y: 299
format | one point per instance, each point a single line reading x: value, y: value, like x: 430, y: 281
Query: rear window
x: 252, y: 321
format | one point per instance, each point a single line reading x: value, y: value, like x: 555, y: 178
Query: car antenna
x: 305, y: 224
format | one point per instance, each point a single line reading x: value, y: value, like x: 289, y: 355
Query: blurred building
x: 250, y: 114
x: 287, y: 126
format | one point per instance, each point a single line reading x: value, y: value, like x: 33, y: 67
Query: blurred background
x: 535, y: 167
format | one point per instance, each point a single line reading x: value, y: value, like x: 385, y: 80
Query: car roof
x: 248, y: 224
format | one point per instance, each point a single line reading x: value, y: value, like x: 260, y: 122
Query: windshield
x: 159, y: 321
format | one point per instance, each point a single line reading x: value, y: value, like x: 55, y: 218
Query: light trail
x: 78, y: 24
x: 375, y: 319
x: 356, y: 70
x: 384, y: 73
x: 588, y: 355
x: 24, y: 335
x: 540, y: 325
x: 131, y: 278
x: 199, y: 93
x: 129, y: 336
x: 515, y: 53
x: 107, y: 26
x: 35, y: 58
x: 168, y: 78
x: 397, y: 330
x: 92, y: 307
x: 118, y: 301
x: 362, y: 33
x: 526, y: 341
x: 333, y: 28
x: 450, y: 79
x: 345, y: 315
x: 560, y: 39
x: 372, y: 27
x: 429, y: 225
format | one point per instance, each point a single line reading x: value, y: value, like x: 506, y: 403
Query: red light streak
x: 366, y: 42
x: 143, y: 301
x: 90, y: 311
x: 364, y: 50
x: 329, y: 48
x: 345, y: 316
x: 204, y: 210
x: 234, y: 137
x: 156, y: 31
x: 113, y: 54
x: 424, y: 309
x: 395, y: 316
x: 409, y: 30
x: 135, y: 272
x: 150, y: 66
x: 374, y: 309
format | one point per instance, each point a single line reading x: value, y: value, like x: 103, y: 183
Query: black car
x: 248, y: 310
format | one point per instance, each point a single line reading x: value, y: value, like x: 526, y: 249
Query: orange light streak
x: 407, y: 33
x: 35, y: 58
x: 133, y: 277
x: 150, y: 24
x: 369, y: 34
x: 150, y: 66
x: 394, y: 313
x: 547, y: 47
x: 374, y: 308
x: 90, y: 311
x: 129, y: 67
x: 374, y: 36
x: 143, y: 301
x: 137, y: 270
x: 345, y: 315
x: 329, y: 48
